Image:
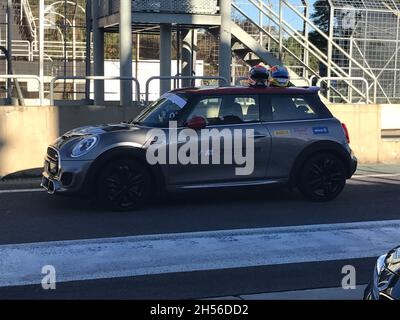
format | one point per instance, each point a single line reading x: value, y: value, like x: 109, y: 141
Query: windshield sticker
x: 321, y: 130
x: 180, y: 102
x: 282, y: 133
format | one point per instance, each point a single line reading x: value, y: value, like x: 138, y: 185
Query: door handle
x: 258, y: 136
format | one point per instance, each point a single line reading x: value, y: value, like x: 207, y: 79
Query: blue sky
x: 289, y: 15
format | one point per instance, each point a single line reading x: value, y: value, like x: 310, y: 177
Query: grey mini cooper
x: 296, y: 142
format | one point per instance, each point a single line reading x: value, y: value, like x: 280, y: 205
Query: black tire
x: 322, y: 178
x: 124, y: 185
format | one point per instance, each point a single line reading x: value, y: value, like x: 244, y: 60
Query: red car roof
x: 249, y: 90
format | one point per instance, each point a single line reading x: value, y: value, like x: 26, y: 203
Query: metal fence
x: 370, y: 32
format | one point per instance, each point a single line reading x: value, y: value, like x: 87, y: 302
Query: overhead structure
x: 360, y: 63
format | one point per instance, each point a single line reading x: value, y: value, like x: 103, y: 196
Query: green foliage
x: 321, y: 18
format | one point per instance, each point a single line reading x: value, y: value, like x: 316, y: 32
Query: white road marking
x: 160, y: 254
x: 314, y: 294
x: 21, y: 191
x: 383, y: 175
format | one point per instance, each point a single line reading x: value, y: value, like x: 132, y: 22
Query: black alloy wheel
x: 323, y: 177
x: 124, y: 185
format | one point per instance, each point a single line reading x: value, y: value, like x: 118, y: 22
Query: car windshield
x: 162, y: 111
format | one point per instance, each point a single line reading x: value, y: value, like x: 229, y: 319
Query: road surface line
x: 383, y: 175
x: 77, y: 260
x: 20, y: 191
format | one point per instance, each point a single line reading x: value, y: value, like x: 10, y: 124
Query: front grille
x: 52, y: 166
x: 52, y: 154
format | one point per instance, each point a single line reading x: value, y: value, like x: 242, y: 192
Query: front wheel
x: 322, y: 178
x: 124, y: 185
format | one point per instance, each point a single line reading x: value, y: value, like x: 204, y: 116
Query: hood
x: 93, y: 130
x: 99, y: 129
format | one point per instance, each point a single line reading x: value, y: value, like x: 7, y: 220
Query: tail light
x: 346, y: 132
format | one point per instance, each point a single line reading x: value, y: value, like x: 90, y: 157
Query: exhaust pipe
x: 52, y: 188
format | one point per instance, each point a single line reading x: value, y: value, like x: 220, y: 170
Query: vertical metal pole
x: 88, y: 60
x: 261, y: 22
x: 225, y: 44
x: 125, y: 49
x: 74, y: 49
x: 137, y: 55
x: 165, y: 56
x: 187, y: 56
x: 10, y: 20
x: 330, y: 48
x: 280, y: 30
x: 350, y: 88
x: 41, y: 47
x: 306, y: 57
x: 98, y: 48
x: 65, y: 96
x: 397, y: 58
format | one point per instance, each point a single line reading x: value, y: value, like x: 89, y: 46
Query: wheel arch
x: 319, y: 147
x: 137, y: 154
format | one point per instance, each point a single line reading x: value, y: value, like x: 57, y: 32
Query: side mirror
x: 197, y: 123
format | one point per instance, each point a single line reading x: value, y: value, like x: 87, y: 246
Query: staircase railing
x: 303, y: 42
x: 27, y: 12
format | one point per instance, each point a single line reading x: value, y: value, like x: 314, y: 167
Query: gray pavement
x: 33, y: 216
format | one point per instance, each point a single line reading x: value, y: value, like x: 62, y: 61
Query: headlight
x: 381, y: 264
x: 84, y: 146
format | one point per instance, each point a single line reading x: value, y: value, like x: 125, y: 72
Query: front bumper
x: 384, y: 286
x: 63, y: 176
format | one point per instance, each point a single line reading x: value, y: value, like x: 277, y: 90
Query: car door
x: 291, y: 121
x: 226, y: 115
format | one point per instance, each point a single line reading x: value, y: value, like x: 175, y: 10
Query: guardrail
x: 366, y: 95
x: 93, y: 78
x: 181, y: 78
x: 28, y: 77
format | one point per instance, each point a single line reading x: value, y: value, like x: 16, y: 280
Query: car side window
x: 227, y: 110
x: 286, y: 108
x: 208, y: 108
x: 250, y: 108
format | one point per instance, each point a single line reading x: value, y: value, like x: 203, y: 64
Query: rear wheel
x: 322, y: 178
x: 124, y: 185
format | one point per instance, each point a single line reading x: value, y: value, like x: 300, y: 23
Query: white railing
x: 27, y: 11
x: 163, y: 78
x: 328, y: 80
x: 60, y: 50
x: 28, y: 77
x: 20, y: 48
x: 92, y: 78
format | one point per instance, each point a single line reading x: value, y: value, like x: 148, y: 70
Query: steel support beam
x: 88, y: 60
x: 125, y: 49
x: 10, y: 20
x: 98, y: 55
x: 165, y: 56
x: 225, y: 44
x: 189, y: 44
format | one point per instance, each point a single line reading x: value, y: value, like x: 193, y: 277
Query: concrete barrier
x: 25, y: 132
x: 365, y: 127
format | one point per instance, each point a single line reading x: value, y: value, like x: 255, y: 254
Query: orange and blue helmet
x: 259, y: 75
x: 279, y: 77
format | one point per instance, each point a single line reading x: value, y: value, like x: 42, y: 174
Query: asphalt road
x: 33, y: 217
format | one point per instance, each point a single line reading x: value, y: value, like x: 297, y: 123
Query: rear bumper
x: 353, y: 165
